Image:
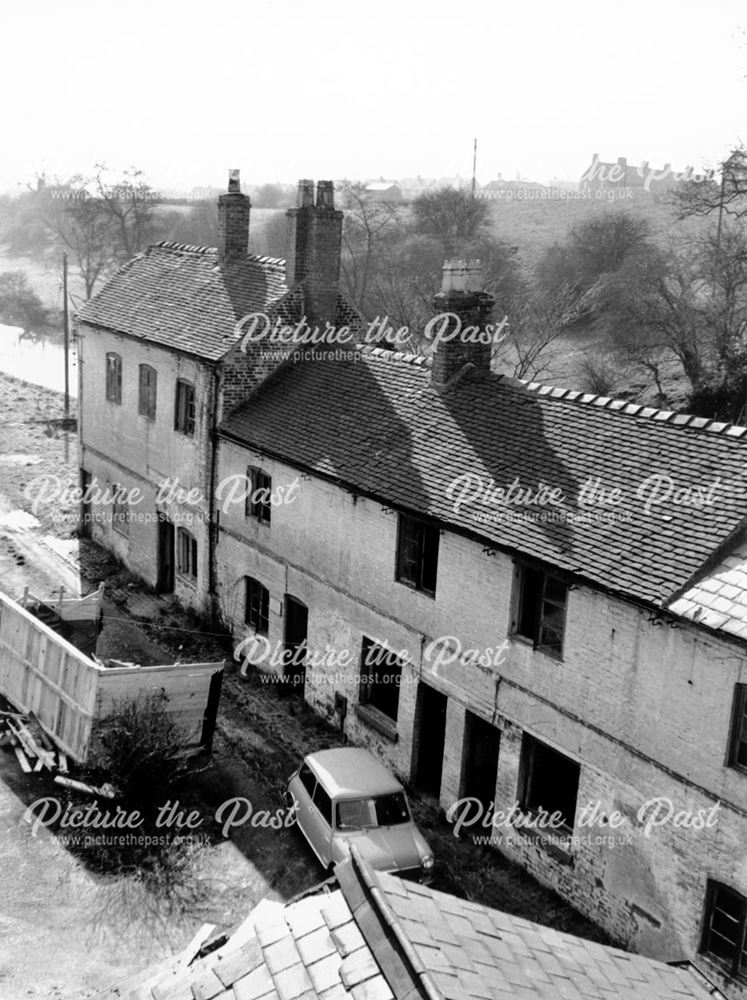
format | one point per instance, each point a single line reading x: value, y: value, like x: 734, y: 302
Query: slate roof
x: 181, y: 297
x: 378, y: 426
x: 378, y: 937
x: 718, y: 598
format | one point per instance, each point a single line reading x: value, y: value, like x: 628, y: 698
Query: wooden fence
x: 41, y: 672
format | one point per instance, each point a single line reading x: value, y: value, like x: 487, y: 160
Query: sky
x: 185, y: 91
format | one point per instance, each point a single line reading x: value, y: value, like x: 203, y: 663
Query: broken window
x: 738, y: 746
x: 724, y: 927
x: 540, y: 608
x: 256, y: 614
x: 549, y: 781
x: 417, y: 554
x: 381, y: 676
x: 258, y: 499
x: 184, y: 414
x: 120, y: 510
x: 114, y: 378
x: 147, y: 392
x: 186, y: 554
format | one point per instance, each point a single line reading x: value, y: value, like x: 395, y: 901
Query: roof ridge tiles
x: 634, y: 409
x: 371, y: 351
x: 202, y: 250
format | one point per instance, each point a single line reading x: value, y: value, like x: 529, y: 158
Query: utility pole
x: 474, y: 168
x: 66, y: 333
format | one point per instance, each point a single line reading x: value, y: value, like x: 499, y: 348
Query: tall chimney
x: 461, y: 296
x: 233, y: 219
x: 314, y: 251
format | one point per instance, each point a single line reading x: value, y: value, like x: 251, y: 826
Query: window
x: 307, y: 779
x: 184, y: 409
x: 147, y: 392
x: 258, y: 500
x: 381, y: 675
x: 186, y: 554
x: 541, y: 600
x: 386, y: 810
x: 724, y: 927
x: 738, y: 743
x: 417, y: 554
x: 257, y: 605
x: 114, y: 378
x: 120, y: 510
x: 323, y: 803
x: 549, y: 781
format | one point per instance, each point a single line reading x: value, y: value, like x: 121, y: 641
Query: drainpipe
x: 212, y: 525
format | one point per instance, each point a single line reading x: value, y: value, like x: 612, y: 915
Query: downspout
x: 212, y: 525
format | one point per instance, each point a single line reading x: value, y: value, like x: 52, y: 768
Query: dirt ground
x: 66, y: 932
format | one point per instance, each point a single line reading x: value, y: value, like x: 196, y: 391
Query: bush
x: 140, y: 750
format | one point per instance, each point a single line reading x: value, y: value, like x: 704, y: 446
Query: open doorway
x: 480, y: 772
x: 165, y: 580
x: 431, y: 723
x: 295, y: 637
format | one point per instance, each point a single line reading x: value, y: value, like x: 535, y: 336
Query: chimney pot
x: 305, y: 197
x: 325, y: 194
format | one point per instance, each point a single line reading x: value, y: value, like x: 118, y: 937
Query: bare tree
x: 727, y: 196
x: 451, y: 215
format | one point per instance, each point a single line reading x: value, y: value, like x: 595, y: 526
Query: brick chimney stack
x: 314, y: 251
x: 233, y: 219
x: 462, y: 295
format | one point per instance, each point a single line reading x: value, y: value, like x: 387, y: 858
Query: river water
x: 41, y: 362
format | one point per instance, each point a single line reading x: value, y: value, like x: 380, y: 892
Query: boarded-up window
x: 147, y: 392
x: 114, y: 378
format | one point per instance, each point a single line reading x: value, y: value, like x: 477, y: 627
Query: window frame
x: 120, y: 512
x: 736, y: 967
x: 538, y: 613
x: 257, y: 607
x: 738, y: 729
x: 423, y: 535
x: 260, y: 510
x: 186, y: 545
x: 527, y: 770
x: 147, y: 397
x: 113, y: 378
x: 184, y: 407
x: 392, y: 664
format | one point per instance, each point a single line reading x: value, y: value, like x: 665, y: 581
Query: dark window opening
x: 417, y: 554
x: 541, y: 609
x: 114, y: 378
x: 186, y: 554
x: 258, y: 500
x: 184, y: 413
x: 549, y: 782
x: 381, y: 676
x: 257, y: 605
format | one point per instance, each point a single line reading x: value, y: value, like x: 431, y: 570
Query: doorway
x: 86, y: 507
x: 431, y: 714
x: 165, y: 580
x: 295, y: 637
x: 481, y: 746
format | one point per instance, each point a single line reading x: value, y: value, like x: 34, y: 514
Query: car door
x: 302, y: 787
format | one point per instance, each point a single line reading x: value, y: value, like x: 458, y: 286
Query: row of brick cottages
x: 611, y: 689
